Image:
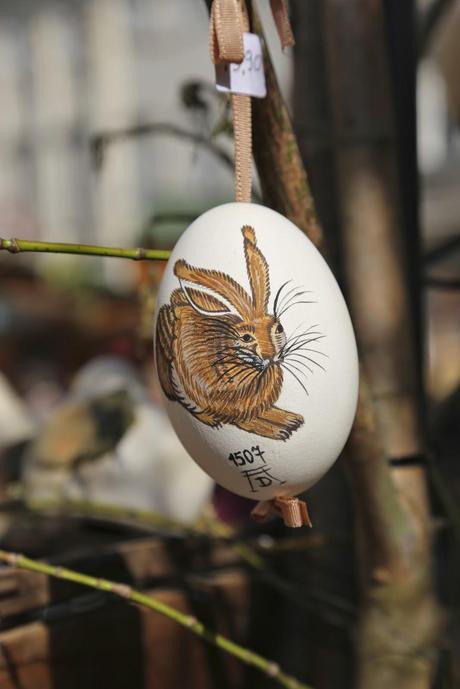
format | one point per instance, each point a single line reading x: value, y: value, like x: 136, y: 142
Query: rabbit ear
x: 213, y: 293
x: 257, y: 271
x: 205, y: 302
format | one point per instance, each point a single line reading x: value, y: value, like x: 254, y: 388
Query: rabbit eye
x: 279, y: 329
x: 247, y: 338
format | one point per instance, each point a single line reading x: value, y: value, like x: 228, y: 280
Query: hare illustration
x: 220, y: 353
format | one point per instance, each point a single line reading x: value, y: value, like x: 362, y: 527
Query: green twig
x: 16, y: 246
x: 245, y: 655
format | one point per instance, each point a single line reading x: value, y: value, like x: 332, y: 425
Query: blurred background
x: 111, y: 133
x: 71, y: 71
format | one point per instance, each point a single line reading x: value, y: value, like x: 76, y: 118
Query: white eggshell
x: 313, y: 406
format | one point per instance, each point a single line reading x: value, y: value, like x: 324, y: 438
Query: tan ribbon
x: 281, y: 16
x: 242, y: 136
x: 229, y: 20
x: 226, y: 32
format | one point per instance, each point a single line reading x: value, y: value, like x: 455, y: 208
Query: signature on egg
x: 258, y: 475
x: 222, y: 353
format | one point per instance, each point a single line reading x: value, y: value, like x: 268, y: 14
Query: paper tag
x: 248, y: 78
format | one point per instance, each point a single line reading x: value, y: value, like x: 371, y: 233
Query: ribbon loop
x: 226, y: 32
x: 229, y: 19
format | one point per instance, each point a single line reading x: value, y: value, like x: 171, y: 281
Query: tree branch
x: 101, y: 140
x: 16, y: 246
x: 282, y: 175
x: 245, y: 655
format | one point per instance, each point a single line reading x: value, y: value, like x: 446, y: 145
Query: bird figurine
x: 80, y: 432
x: 110, y: 444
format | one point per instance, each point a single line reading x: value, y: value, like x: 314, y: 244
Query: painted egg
x: 255, y: 352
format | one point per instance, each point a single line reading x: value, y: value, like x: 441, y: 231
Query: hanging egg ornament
x: 255, y: 352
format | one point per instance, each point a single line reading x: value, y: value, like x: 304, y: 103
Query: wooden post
x: 399, y: 618
x: 400, y: 610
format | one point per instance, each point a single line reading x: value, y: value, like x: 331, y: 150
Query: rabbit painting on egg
x: 221, y: 354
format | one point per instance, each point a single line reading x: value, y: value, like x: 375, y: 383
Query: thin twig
x: 101, y: 140
x: 121, y: 590
x: 16, y: 246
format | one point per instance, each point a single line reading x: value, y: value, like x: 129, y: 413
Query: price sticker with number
x: 247, y: 78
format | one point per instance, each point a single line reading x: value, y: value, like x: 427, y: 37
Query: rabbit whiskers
x: 241, y: 365
x: 288, y: 368
x: 288, y: 300
x: 292, y: 356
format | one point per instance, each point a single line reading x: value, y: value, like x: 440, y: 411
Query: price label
x: 248, y: 78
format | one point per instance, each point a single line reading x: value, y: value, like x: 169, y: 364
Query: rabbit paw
x: 287, y: 421
x: 274, y: 423
x: 292, y: 421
